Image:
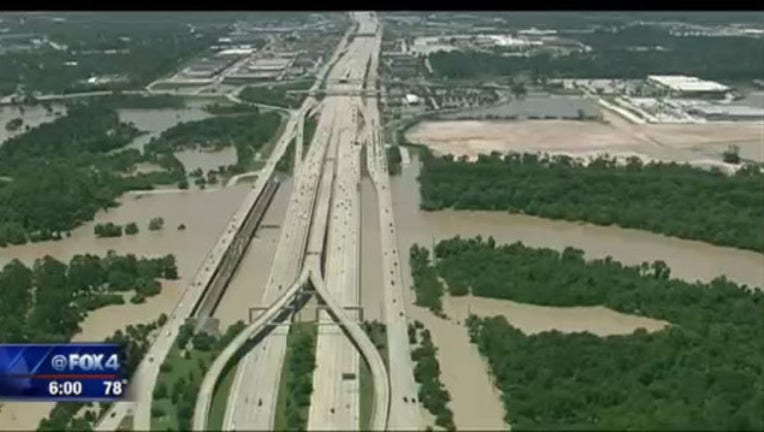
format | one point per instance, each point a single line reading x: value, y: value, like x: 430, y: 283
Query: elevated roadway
x: 404, y: 408
x: 144, y: 379
x: 251, y: 403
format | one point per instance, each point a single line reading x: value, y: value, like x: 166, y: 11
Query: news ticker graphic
x: 62, y: 372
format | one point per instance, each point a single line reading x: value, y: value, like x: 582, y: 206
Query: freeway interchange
x: 318, y: 253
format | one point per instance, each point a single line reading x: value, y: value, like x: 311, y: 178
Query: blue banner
x: 62, y: 372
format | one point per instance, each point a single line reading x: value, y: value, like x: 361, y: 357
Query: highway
x: 404, y: 409
x: 335, y: 402
x: 144, y: 379
x: 254, y: 407
x: 327, y: 169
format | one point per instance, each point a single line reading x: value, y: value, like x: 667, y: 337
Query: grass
x: 309, y: 129
x: 179, y: 367
x: 376, y: 332
x: 276, y: 95
x: 366, y: 397
x: 220, y: 399
x: 297, y: 331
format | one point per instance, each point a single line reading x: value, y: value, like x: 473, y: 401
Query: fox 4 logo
x: 85, y: 362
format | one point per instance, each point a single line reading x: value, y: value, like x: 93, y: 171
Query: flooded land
x: 247, y: 284
x: 156, y: 121
x: 205, y: 214
x: 679, y: 142
x: 547, y: 124
x: 31, y: 115
x: 475, y: 401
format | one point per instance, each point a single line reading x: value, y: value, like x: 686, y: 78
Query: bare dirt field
x: 685, y: 142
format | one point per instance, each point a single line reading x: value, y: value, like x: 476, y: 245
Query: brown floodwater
x: 33, y: 116
x: 248, y: 282
x: 156, y: 121
x: 205, y: 214
x: 475, y: 400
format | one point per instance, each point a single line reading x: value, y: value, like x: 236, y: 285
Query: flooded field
x: 685, y: 142
x: 206, y: 160
x: 475, y: 401
x: 534, y: 105
x: 156, y: 121
x: 32, y: 116
x: 248, y: 282
x: 205, y: 214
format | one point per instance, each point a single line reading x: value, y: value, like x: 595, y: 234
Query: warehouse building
x: 688, y: 86
x: 727, y: 112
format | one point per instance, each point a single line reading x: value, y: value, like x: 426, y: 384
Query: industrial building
x: 727, y: 112
x: 688, y: 86
x: 208, y: 67
x: 261, y: 69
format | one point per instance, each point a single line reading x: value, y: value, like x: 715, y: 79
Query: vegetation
x: 135, y: 340
x: 247, y: 133
x: 286, y: 163
x: 276, y: 94
x: 156, y: 224
x: 432, y: 393
x: 309, y: 129
x: 230, y: 108
x: 732, y: 154
x: 181, y: 376
x: 127, y: 51
x: 108, y: 230
x: 393, y: 160
x: 657, y: 197
x: 48, y: 301
x: 614, y: 55
x: 131, y: 228
x: 66, y: 170
x: 427, y: 287
x: 377, y: 333
x: 119, y: 100
x: 14, y: 124
x: 703, y: 371
x: 299, y: 363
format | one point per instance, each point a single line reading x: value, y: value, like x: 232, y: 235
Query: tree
x: 732, y: 154
x: 156, y: 224
x: 131, y: 228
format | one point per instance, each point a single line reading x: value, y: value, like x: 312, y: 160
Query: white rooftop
x: 687, y: 83
x: 411, y: 98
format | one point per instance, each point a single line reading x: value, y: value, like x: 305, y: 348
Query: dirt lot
x: 618, y: 137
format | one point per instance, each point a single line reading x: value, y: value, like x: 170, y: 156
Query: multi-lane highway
x: 145, y: 377
x: 324, y: 181
x: 404, y: 407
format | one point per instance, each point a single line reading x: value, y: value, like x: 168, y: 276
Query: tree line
x: 248, y: 133
x: 618, y: 54
x: 432, y: 393
x: 47, y: 302
x: 666, y: 198
x: 704, y: 371
x: 300, y: 361
x: 64, y: 171
x: 182, y: 372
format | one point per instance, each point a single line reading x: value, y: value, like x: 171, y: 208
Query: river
x: 475, y: 401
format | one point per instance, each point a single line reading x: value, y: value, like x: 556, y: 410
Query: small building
x: 411, y: 99
x: 688, y: 86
